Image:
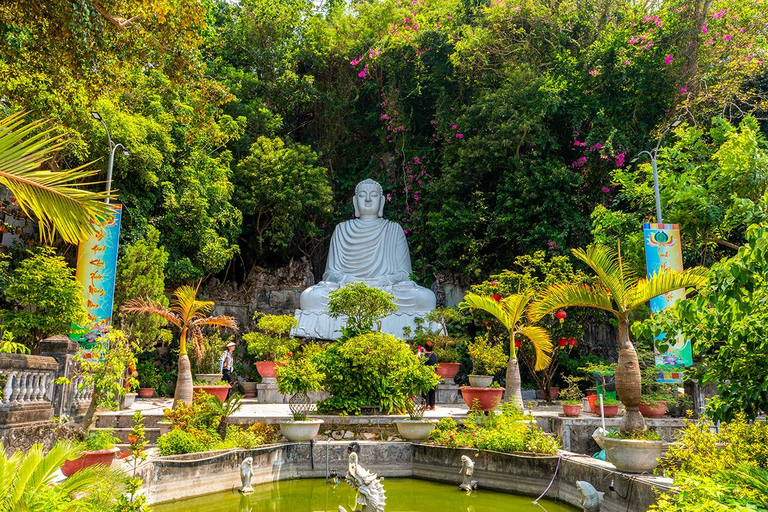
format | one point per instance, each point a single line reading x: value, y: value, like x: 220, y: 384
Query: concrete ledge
x: 576, y: 433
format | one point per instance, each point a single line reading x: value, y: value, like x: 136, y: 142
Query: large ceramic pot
x: 653, y: 410
x: 249, y: 388
x: 487, y: 398
x: 300, y: 431
x: 266, y: 368
x: 88, y: 458
x: 128, y: 400
x: 572, y: 410
x: 633, y: 456
x: 415, y: 430
x: 480, y: 381
x: 554, y: 393
x: 219, y: 392
x: 208, y: 377
x: 146, y: 392
x: 447, y: 371
x: 609, y: 411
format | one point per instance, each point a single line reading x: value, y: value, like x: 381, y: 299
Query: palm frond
x: 186, y: 305
x: 610, y: 270
x: 664, y: 282
x: 515, y: 306
x: 559, y: 296
x: 148, y: 306
x: 489, y: 305
x: 218, y: 322
x: 49, y: 196
x: 541, y: 342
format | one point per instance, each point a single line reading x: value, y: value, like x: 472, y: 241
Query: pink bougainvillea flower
x: 668, y: 59
x: 362, y: 74
x: 720, y: 14
x: 684, y: 90
x: 704, y: 29
x: 453, y: 127
x: 727, y: 37
x: 389, y: 197
x: 626, y: 62
x: 384, y: 116
x: 605, y: 190
x: 459, y: 135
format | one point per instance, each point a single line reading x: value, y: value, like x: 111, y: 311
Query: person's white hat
x: 231, y: 344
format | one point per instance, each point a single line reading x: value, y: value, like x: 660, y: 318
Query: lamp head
x: 96, y: 116
x: 126, y: 152
x: 676, y: 123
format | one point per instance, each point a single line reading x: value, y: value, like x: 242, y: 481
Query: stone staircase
x: 122, y: 424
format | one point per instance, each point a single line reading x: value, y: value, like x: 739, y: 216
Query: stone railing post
x: 63, y: 350
x: 27, y: 388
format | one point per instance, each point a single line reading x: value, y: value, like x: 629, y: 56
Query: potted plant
x: 415, y: 428
x: 599, y: 372
x: 435, y: 327
x: 654, y: 406
x: 610, y: 407
x: 413, y: 384
x: 98, y: 447
x: 218, y: 389
x: 271, y: 343
x: 148, y: 379
x: 298, y: 376
x: 655, y: 398
x: 571, y: 396
x: 487, y: 359
x: 634, y: 453
x: 250, y: 382
x: 208, y: 355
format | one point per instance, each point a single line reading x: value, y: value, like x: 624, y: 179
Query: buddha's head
x: 369, y: 199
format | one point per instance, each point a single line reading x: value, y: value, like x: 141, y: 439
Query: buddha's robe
x: 376, y: 253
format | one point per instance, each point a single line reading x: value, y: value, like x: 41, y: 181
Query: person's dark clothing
x: 430, y: 360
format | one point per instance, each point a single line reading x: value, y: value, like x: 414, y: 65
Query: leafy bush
x: 193, y: 440
x: 300, y: 373
x: 100, y: 440
x: 273, y: 343
x: 372, y: 370
x: 505, y: 432
x: 487, y: 359
x: 363, y: 305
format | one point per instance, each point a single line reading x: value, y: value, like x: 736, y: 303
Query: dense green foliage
x: 727, y: 324
x: 44, y: 298
x: 724, y: 470
x: 505, y: 432
x: 487, y: 358
x: 363, y: 306
x: 273, y: 342
x: 372, y: 370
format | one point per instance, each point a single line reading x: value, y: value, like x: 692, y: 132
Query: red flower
x: 124, y: 455
x: 562, y: 342
x: 494, y: 283
x: 518, y: 344
x: 496, y: 297
x: 289, y: 354
x: 132, y: 439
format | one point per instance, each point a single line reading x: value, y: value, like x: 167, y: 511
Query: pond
x: 403, y: 495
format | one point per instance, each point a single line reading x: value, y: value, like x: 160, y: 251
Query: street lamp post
x: 652, y: 154
x: 112, y: 148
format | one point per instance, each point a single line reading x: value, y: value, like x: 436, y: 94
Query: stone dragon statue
x: 370, y: 492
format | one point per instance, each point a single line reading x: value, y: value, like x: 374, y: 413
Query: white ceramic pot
x: 128, y: 400
x: 415, y: 430
x: 633, y: 456
x: 300, y: 431
x: 480, y: 381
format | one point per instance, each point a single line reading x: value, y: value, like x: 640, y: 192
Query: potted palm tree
x: 271, y: 343
x: 618, y: 290
x: 97, y: 448
x: 189, y: 315
x: 510, y: 312
x: 298, y: 376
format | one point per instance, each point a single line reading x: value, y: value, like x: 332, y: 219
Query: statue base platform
x: 267, y: 393
x: 319, y: 325
x: 447, y: 393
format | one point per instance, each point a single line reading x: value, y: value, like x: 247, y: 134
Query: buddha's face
x: 369, y: 200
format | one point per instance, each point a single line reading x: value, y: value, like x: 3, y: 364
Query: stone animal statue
x: 467, y: 468
x: 591, y: 499
x: 246, y: 472
x: 370, y: 492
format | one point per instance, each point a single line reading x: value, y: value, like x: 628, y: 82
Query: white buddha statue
x: 373, y: 250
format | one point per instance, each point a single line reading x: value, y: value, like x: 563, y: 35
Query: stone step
x: 122, y: 433
x: 113, y: 420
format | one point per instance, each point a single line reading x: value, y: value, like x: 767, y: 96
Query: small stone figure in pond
x: 591, y: 499
x: 467, y: 468
x: 370, y: 492
x: 246, y: 471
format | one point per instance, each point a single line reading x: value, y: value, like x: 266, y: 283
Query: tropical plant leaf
x: 148, y: 306
x: 541, y: 342
x: 559, y: 296
x: 608, y: 266
x: 665, y: 282
x: 50, y: 196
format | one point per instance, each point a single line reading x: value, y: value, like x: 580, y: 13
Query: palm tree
x: 510, y: 312
x: 617, y: 290
x: 47, y: 195
x: 26, y: 481
x: 189, y: 315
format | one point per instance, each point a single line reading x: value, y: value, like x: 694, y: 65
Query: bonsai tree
x: 487, y: 359
x: 363, y: 305
x: 299, y: 376
x: 617, y: 290
x: 571, y: 395
x: 510, y: 312
x: 274, y: 342
x: 189, y: 315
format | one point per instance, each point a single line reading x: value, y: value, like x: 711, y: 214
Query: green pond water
x: 403, y: 495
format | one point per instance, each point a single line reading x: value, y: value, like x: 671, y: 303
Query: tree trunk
x: 513, y: 389
x: 88, y: 418
x: 628, y: 385
x: 183, y: 393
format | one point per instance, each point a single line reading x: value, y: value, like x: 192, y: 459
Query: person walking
x: 227, y: 365
x: 430, y: 359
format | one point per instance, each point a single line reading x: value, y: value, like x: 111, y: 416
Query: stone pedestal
x: 267, y: 393
x: 319, y: 325
x: 447, y: 393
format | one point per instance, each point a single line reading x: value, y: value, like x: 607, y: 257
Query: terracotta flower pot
x: 266, y: 368
x: 146, y: 392
x: 447, y: 370
x: 592, y: 400
x: 487, y: 398
x: 219, y: 392
x: 653, y: 410
x: 250, y: 389
x: 571, y: 410
x: 609, y: 410
x: 89, y: 458
x: 554, y: 393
